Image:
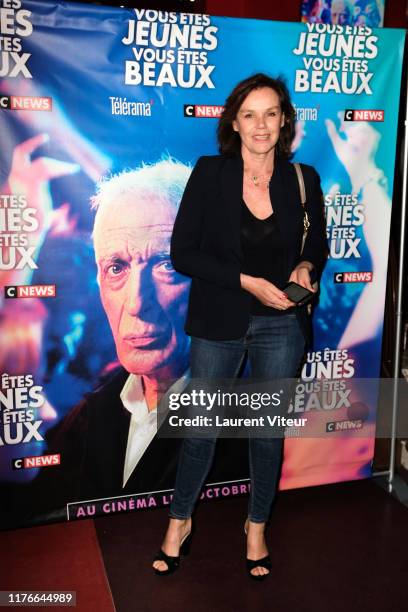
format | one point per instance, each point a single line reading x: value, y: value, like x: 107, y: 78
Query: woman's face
x: 259, y: 121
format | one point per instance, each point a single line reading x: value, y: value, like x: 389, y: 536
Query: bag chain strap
x: 306, y: 222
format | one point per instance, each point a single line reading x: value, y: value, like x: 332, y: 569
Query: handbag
x: 306, y: 222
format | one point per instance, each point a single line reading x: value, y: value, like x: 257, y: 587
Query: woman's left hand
x: 301, y: 275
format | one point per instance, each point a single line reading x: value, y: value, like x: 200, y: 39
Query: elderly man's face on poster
x: 144, y: 298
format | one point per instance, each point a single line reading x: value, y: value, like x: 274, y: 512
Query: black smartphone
x: 298, y: 294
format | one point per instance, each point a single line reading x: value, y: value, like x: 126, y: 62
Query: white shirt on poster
x: 143, y: 423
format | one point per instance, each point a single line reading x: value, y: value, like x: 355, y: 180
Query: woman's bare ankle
x: 177, y: 528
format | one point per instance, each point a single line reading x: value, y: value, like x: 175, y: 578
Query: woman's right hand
x: 266, y: 292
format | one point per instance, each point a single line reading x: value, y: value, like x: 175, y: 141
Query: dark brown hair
x: 229, y: 141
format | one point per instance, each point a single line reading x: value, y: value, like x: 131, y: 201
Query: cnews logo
x: 35, y: 462
x: 344, y: 425
x: 363, y: 115
x: 27, y: 291
x: 201, y: 111
x: 353, y: 277
x: 33, y: 103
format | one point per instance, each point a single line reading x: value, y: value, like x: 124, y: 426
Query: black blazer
x: 206, y: 241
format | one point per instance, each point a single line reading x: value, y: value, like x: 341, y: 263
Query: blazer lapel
x: 285, y: 198
x: 277, y: 192
x: 231, y: 184
x: 232, y: 173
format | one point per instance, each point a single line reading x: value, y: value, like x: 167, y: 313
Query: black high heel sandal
x: 264, y: 562
x: 252, y: 564
x: 173, y: 563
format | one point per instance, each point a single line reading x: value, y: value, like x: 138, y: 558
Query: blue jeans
x: 275, y: 346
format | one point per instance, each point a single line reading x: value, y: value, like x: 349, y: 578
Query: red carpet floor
x: 61, y: 557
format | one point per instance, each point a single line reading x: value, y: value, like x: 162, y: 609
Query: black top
x: 264, y: 255
x: 206, y: 241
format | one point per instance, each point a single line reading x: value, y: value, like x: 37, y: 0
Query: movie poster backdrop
x: 90, y: 92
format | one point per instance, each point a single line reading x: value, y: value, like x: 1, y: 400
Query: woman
x: 238, y: 234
